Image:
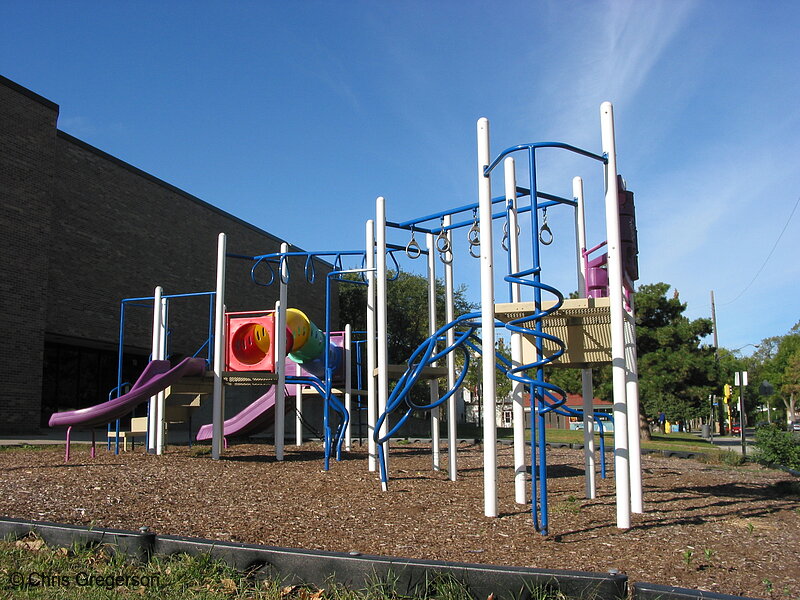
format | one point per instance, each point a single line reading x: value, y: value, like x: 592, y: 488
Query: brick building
x: 79, y: 231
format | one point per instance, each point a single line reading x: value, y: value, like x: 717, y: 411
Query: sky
x: 295, y: 116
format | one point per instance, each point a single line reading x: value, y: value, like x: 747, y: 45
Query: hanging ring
x: 412, y: 249
x: 474, y: 235
x: 443, y: 242
x: 545, y: 234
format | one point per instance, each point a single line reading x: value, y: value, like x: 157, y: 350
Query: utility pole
x: 714, y: 325
x: 716, y: 361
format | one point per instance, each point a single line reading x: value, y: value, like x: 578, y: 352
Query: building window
x: 80, y: 376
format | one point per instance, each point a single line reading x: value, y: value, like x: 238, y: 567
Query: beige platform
x: 583, y: 324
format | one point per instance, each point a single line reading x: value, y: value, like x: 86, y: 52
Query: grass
x: 675, y: 442
x: 30, y: 569
x: 25, y: 447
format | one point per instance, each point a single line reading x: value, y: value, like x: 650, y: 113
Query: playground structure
x: 597, y: 327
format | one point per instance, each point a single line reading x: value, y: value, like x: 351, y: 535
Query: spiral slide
x: 156, y: 377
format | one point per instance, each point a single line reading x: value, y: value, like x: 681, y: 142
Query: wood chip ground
x: 734, y: 530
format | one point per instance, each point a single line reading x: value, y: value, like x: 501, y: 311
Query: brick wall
x: 27, y: 142
x: 118, y: 232
x: 80, y: 230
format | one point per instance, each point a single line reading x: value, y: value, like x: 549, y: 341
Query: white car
x: 796, y: 426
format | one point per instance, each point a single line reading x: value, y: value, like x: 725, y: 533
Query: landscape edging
x: 354, y: 570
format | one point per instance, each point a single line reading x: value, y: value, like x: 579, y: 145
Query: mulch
x: 733, y: 530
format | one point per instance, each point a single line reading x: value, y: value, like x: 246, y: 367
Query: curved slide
x: 158, y: 375
x: 254, y: 418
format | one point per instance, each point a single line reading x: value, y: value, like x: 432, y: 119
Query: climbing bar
x: 531, y: 147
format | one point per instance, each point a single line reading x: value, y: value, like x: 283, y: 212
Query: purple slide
x: 157, y: 376
x: 261, y: 414
x: 256, y: 417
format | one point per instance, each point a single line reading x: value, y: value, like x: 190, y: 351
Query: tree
x: 474, y: 379
x: 407, y: 310
x: 676, y: 372
x: 791, y: 385
x: 778, y: 361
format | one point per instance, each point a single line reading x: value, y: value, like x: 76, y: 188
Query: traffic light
x: 727, y: 391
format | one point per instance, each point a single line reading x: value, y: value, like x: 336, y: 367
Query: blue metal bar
x: 509, y: 208
x: 458, y: 225
x: 444, y: 213
x: 119, y: 367
x: 555, y: 200
x: 537, y: 397
x: 414, y: 226
x: 326, y: 362
x: 210, y: 354
x: 534, y: 146
x: 193, y: 294
x: 314, y: 253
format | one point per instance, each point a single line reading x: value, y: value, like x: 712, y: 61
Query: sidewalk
x: 50, y: 436
x: 734, y: 442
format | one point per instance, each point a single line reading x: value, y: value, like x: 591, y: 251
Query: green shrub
x: 778, y: 447
x: 723, y: 457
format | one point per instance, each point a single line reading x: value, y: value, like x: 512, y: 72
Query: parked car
x: 736, y: 429
x: 796, y: 426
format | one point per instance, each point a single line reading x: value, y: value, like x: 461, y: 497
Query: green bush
x: 778, y: 447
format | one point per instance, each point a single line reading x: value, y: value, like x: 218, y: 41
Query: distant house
x: 504, y: 412
x: 575, y: 402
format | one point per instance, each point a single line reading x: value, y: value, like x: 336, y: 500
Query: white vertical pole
x: 155, y: 354
x: 452, y: 413
x: 347, y: 355
x: 433, y: 383
x: 298, y: 406
x: 586, y: 374
x: 487, y: 324
x: 371, y: 345
x: 382, y: 327
x: 632, y: 395
x: 161, y: 397
x: 219, y: 353
x: 517, y: 387
x: 280, y: 355
x: 621, y: 446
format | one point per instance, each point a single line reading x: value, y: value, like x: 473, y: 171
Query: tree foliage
x: 474, y: 378
x: 406, y: 311
x: 676, y: 371
x: 777, y: 361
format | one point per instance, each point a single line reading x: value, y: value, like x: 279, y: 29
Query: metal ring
x: 545, y: 228
x: 412, y: 249
x: 442, y: 242
x: 474, y: 235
